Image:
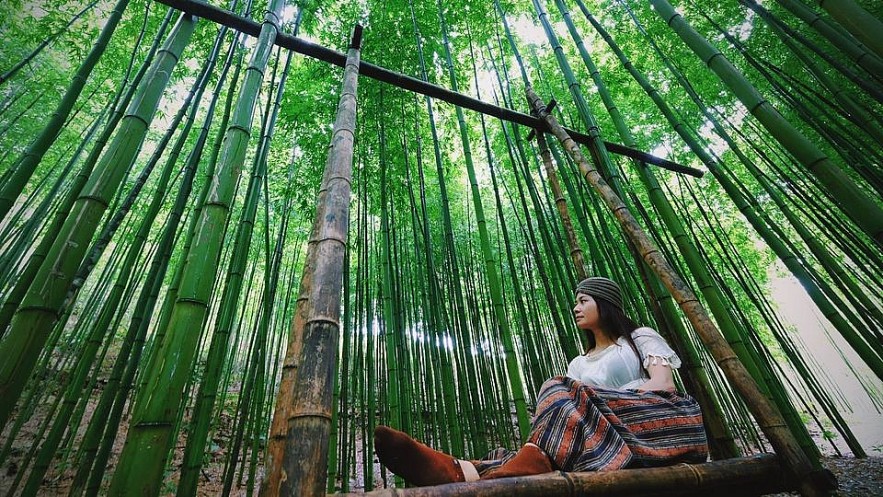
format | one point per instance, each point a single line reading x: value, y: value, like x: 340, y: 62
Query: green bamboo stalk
x: 496, y: 291
x: 858, y: 21
x: 112, y: 301
x: 29, y: 161
x: 437, y: 319
x: 855, y: 51
x: 9, y: 73
x: 390, y: 325
x: 120, y: 102
x: 456, y: 435
x: 788, y: 257
x: 851, y: 198
x: 149, y: 437
x: 199, y: 428
x: 38, y: 312
x: 559, y: 304
x: 20, y: 241
x: 852, y: 109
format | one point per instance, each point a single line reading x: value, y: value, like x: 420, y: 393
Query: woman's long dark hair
x: 615, y: 323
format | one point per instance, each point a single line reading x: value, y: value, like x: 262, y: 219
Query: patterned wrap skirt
x: 585, y: 428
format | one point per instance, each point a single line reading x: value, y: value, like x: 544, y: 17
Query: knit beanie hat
x: 599, y: 287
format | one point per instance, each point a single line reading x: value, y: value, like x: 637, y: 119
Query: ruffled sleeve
x: 654, y: 349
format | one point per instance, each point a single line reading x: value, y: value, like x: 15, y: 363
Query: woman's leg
x: 583, y: 428
x: 418, y: 463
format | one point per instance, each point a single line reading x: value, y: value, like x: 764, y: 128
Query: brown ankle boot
x: 529, y: 460
x: 417, y: 463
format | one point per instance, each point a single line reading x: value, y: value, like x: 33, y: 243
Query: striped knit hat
x: 599, y: 287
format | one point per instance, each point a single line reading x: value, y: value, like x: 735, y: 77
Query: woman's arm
x: 660, y: 377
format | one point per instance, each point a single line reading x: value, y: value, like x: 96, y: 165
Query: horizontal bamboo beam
x: 744, y: 476
x: 304, y: 47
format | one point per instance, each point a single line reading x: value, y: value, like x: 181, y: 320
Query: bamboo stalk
x: 852, y: 199
x: 858, y: 21
x: 31, y: 158
x: 297, y: 454
x: 855, y: 51
x: 766, y: 414
x: 251, y: 28
x: 754, y: 475
x: 576, y: 253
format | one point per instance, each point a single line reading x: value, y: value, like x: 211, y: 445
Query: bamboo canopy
x: 220, y: 269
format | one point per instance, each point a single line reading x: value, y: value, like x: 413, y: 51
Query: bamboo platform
x: 743, y: 476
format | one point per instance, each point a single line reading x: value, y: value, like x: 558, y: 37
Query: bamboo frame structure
x: 303, y: 47
x: 744, y: 476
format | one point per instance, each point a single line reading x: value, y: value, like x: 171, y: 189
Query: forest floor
x: 857, y: 477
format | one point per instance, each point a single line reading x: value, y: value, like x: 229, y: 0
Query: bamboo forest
x: 238, y: 235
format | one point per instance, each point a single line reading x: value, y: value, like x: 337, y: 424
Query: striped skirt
x: 584, y: 428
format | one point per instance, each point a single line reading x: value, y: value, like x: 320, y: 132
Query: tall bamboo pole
x: 576, y: 253
x: 855, y: 51
x: 39, y: 309
x: 766, y: 414
x: 515, y: 383
x: 9, y: 73
x: 152, y: 427
x: 854, y: 111
x: 853, y: 200
x: 34, y: 154
x: 858, y: 21
x: 121, y: 101
x: 297, y: 454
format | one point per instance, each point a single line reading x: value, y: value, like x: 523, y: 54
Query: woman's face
x: 585, y: 312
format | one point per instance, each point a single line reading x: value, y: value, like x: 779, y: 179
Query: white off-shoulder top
x: 617, y: 366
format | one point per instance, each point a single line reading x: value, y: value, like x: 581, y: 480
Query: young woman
x: 616, y: 408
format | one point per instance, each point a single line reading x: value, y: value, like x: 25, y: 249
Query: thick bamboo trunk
x: 766, y: 414
x: 855, y: 51
x: 41, y: 306
x: 755, y: 475
x: 858, y: 21
x: 298, y: 448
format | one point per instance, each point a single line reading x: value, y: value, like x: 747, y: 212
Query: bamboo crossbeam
x: 755, y: 475
x: 303, y: 47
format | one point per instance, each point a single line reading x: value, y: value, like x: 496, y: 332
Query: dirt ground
x: 855, y: 477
